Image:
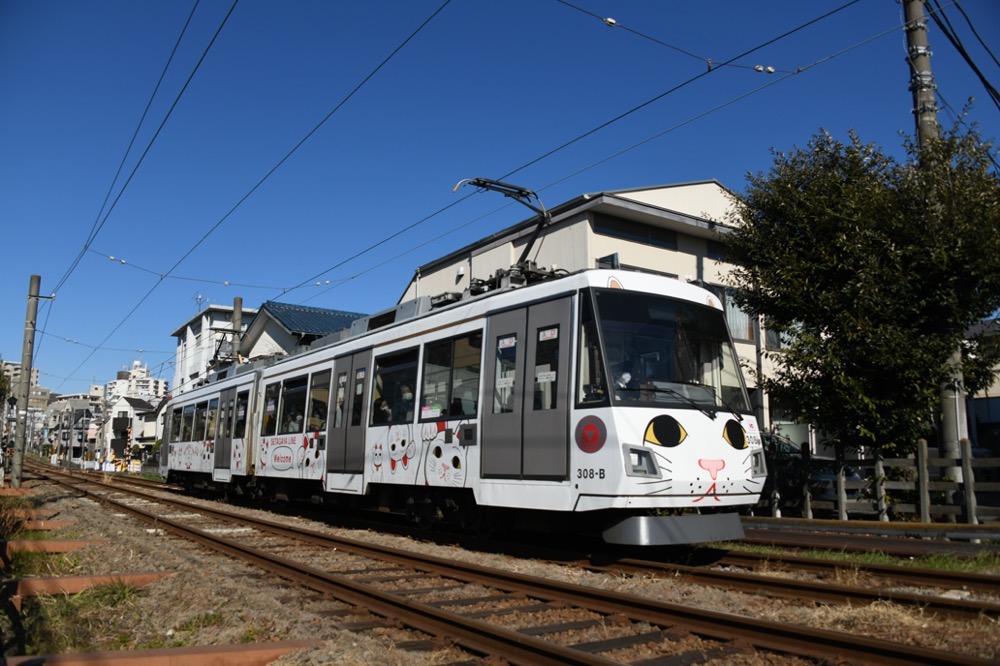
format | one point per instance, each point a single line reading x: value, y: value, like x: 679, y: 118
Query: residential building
x: 280, y: 328
x: 130, y: 424
x: 203, y: 342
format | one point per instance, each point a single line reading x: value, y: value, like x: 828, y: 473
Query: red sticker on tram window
x: 591, y: 433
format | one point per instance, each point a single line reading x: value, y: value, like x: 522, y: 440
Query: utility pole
x: 954, y: 423
x: 24, y: 386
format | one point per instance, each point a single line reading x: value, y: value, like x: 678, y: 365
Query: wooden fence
x: 909, y: 489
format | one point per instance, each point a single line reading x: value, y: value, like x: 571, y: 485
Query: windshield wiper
x: 709, y: 412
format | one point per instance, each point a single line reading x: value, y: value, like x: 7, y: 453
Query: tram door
x: 224, y: 436
x: 346, y: 449
x: 525, y: 432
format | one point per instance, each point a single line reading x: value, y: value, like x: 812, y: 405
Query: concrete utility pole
x: 24, y: 385
x: 954, y: 424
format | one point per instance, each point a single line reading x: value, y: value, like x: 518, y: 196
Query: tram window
x: 503, y: 381
x: 175, y: 426
x: 293, y: 405
x: 338, y: 404
x: 546, y: 369
x: 437, y: 380
x: 270, y: 425
x: 451, y: 378
x: 186, y: 424
x: 212, y: 418
x: 226, y: 420
x: 319, y: 398
x: 359, y: 396
x: 592, y: 390
x: 392, y: 390
x: 242, y: 405
x: 199, y: 421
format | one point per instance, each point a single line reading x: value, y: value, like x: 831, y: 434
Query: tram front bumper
x: 672, y: 530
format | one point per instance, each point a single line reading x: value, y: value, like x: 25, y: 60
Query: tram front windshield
x: 665, y: 352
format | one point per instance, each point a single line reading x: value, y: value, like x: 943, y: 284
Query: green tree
x: 873, y: 270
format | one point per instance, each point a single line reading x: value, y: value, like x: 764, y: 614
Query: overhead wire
x: 97, y: 225
x: 95, y: 229
x: 340, y: 282
x: 678, y: 87
x: 614, y: 23
x: 266, y: 176
x: 549, y: 153
x: 940, y: 19
x: 566, y: 144
x: 225, y: 283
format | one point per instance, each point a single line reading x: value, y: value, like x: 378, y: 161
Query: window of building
x: 716, y: 250
x: 451, y: 378
x: 740, y: 322
x: 636, y: 232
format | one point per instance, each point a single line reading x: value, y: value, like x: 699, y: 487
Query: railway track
x: 768, y: 576
x: 477, y: 607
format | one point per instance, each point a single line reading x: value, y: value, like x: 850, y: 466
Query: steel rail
x: 796, y: 589
x: 473, y: 635
x: 910, y: 575
x: 479, y: 637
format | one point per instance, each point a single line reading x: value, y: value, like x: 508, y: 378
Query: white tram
x: 603, y: 401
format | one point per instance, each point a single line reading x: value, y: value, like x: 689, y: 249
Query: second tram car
x: 604, y: 401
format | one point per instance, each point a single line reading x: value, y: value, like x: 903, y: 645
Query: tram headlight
x: 639, y: 462
x: 759, y: 467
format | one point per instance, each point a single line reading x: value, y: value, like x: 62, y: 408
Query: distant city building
x: 67, y: 427
x: 137, y: 383
x: 12, y: 371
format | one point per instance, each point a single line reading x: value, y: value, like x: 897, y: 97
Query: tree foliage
x: 873, y: 270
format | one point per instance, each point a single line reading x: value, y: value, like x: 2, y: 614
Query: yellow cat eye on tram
x: 734, y: 433
x: 665, y: 431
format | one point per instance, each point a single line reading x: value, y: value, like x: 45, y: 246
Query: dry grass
x: 12, y: 516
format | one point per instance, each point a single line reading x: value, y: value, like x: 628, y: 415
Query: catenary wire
x: 937, y: 14
x: 677, y: 87
x: 617, y: 24
x: 340, y: 282
x: 94, y: 229
x: 259, y: 182
x: 572, y: 141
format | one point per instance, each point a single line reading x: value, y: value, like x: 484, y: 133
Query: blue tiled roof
x: 310, y: 321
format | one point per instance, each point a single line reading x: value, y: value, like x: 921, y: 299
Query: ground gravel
x: 210, y: 599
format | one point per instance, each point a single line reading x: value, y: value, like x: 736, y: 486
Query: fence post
x: 879, y: 481
x: 968, y: 482
x: 807, y: 509
x: 841, y: 490
x: 923, y: 482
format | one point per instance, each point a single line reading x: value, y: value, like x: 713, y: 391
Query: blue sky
x: 484, y: 88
